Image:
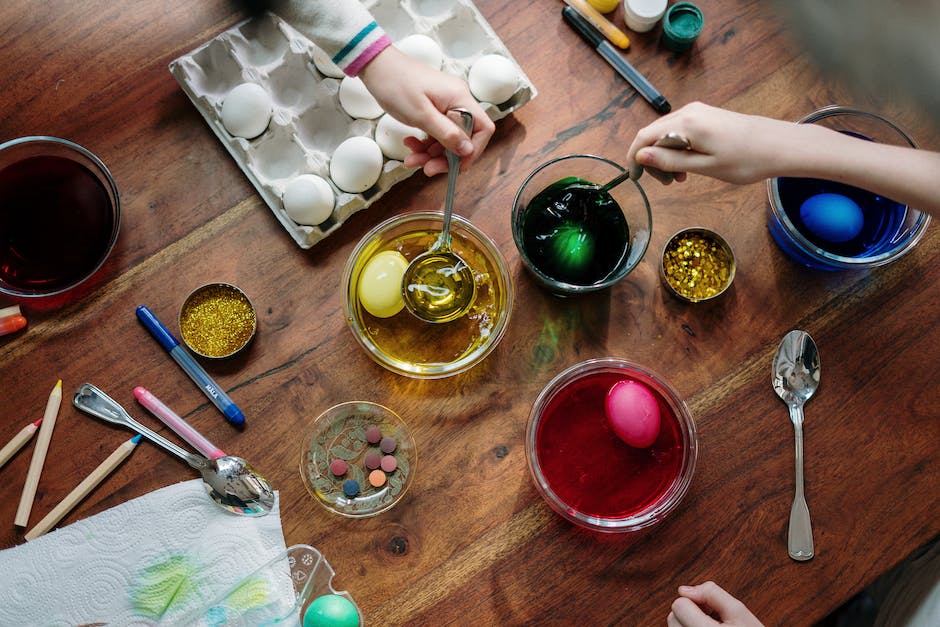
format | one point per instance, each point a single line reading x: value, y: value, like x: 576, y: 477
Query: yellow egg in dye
x: 379, y: 286
x: 604, y: 6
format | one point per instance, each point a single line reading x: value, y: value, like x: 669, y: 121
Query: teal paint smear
x: 170, y: 582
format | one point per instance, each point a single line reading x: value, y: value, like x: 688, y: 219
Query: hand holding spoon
x: 229, y: 481
x: 438, y: 286
x: 795, y: 379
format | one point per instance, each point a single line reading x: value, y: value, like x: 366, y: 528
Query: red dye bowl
x: 589, y: 475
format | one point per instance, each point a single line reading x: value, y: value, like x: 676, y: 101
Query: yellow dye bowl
x: 400, y: 341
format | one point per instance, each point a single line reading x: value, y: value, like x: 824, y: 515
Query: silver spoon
x: 229, y: 481
x: 673, y: 141
x: 438, y: 286
x: 795, y: 379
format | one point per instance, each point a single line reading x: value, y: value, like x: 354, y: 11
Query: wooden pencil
x: 82, y: 490
x: 39, y: 456
x: 19, y: 440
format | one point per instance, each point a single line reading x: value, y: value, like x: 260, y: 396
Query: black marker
x: 594, y: 38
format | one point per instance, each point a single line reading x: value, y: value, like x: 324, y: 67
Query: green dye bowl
x: 630, y: 198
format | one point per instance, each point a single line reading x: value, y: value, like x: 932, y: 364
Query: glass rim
x: 562, y: 286
x: 670, y: 498
x: 105, y: 177
x: 819, y: 254
x: 442, y: 370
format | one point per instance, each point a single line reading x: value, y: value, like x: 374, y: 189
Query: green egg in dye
x: 573, y: 247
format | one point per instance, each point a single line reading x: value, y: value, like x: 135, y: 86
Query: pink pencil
x: 19, y: 441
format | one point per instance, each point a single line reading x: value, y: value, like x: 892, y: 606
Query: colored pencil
x: 82, y: 490
x: 19, y: 440
x: 39, y: 456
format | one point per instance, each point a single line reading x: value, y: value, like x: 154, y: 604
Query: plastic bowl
x: 59, y: 219
x: 628, y: 195
x: 412, y: 347
x: 585, y: 472
x: 891, y: 230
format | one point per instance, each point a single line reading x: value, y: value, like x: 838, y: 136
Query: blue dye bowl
x: 889, y: 230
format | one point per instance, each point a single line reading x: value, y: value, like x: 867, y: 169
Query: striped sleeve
x: 344, y: 29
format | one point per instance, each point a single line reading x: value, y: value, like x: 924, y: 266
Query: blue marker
x: 190, y: 366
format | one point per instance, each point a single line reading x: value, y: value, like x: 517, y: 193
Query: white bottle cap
x: 642, y: 15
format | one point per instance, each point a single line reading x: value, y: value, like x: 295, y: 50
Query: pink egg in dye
x: 633, y: 413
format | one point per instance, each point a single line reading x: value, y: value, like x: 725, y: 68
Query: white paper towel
x: 152, y: 560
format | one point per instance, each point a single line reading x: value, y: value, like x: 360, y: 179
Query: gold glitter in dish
x: 217, y: 320
x: 697, y: 265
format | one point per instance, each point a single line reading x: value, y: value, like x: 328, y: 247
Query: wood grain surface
x: 472, y: 542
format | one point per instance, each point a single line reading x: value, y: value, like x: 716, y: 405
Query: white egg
x: 422, y: 48
x: 325, y: 64
x: 308, y: 199
x: 390, y: 135
x: 356, y: 164
x: 246, y: 110
x: 493, y: 78
x: 356, y: 99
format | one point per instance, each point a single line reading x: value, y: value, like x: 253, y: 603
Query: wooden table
x: 472, y: 542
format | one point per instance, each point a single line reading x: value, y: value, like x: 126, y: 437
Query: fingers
x: 688, y: 614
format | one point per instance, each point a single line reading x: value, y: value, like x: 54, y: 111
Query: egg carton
x: 308, y: 122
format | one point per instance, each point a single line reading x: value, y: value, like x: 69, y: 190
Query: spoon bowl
x: 795, y: 380
x: 229, y: 481
x: 438, y: 286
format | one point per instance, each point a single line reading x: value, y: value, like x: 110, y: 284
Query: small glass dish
x: 624, y: 253
x: 889, y: 229
x: 217, y: 320
x: 585, y: 472
x: 412, y: 347
x: 342, y: 433
x: 61, y: 216
x: 697, y: 265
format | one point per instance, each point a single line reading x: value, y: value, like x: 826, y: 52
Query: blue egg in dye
x: 832, y: 217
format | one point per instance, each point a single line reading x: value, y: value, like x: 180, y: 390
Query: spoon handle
x: 93, y: 401
x: 800, y: 534
x: 464, y: 120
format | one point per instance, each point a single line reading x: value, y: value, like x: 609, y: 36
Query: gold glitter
x: 217, y: 320
x: 697, y: 266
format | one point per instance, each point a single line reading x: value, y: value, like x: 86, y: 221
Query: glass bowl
x: 342, y: 432
x: 555, y: 251
x: 585, y: 472
x: 402, y: 342
x: 889, y: 229
x: 59, y: 219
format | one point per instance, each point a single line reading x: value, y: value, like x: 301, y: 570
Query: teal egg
x: 832, y: 217
x: 331, y: 610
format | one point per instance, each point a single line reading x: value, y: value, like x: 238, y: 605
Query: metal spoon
x: 438, y: 286
x: 795, y: 379
x: 229, y: 481
x: 673, y: 141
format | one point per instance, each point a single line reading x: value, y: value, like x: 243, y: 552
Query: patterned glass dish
x: 342, y: 433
